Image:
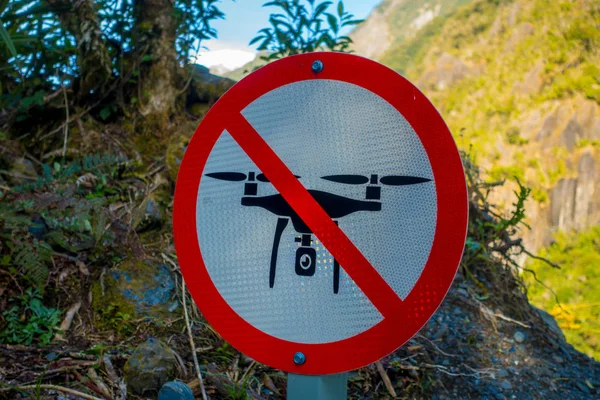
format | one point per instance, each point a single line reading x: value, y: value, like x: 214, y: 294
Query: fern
x: 32, y: 259
x: 99, y: 164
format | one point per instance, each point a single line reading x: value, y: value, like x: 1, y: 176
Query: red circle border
x: 447, y: 247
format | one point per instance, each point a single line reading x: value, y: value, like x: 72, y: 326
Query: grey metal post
x: 317, y: 387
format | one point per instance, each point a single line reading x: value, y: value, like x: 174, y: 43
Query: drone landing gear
x: 281, y: 224
x: 336, y: 276
x: 336, y: 273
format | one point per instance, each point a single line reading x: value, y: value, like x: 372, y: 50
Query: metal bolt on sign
x: 299, y: 358
x: 317, y: 66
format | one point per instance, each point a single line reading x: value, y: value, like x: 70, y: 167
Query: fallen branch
x: 99, y: 383
x: 53, y: 387
x: 66, y: 324
x: 386, y: 379
x: 66, y: 136
x: 119, y: 382
x: 492, y: 314
x: 90, y: 384
x: 443, y: 370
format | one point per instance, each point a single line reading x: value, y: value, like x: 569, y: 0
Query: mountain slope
x: 394, y: 21
x: 518, y: 83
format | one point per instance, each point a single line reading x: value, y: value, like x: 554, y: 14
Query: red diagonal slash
x: 333, y: 238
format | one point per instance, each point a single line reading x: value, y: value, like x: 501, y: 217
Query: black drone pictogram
x: 335, y: 206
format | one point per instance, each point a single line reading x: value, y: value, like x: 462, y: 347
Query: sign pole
x: 317, y: 387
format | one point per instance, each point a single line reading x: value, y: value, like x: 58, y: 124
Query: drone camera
x: 306, y: 258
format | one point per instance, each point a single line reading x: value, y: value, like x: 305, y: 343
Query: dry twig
x: 64, y: 151
x: 189, y: 329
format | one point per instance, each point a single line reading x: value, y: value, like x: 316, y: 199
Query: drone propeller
x: 239, y: 176
x: 349, y: 179
x: 391, y: 180
x: 228, y: 176
x: 263, y: 178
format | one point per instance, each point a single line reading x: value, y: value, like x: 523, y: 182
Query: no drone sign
x: 320, y: 213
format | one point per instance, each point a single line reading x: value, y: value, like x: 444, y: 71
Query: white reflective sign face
x: 319, y: 128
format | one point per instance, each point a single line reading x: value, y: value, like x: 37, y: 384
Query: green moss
x: 499, y: 173
x: 581, y: 143
x: 557, y: 173
x: 176, y: 147
x: 112, y: 311
x: 133, y: 291
x: 514, y: 137
x: 539, y: 195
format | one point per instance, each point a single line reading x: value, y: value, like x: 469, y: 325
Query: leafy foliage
x: 94, y: 163
x: 28, y: 321
x: 44, y: 47
x: 577, y: 287
x: 32, y: 258
x: 300, y: 29
x: 33, y: 228
x: 492, y: 232
x: 194, y: 19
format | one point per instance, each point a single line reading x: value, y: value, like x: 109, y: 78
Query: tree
x: 128, y: 58
x: 300, y: 29
x: 105, y: 51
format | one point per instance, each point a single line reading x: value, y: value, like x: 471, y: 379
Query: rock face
x: 151, y: 365
x: 447, y: 71
x: 564, y: 139
x: 372, y: 37
x: 393, y: 21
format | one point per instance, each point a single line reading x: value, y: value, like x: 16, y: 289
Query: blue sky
x: 243, y: 18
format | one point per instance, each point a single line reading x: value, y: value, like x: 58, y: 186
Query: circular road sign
x: 320, y: 209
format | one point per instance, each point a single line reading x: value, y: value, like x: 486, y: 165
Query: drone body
x: 334, y: 205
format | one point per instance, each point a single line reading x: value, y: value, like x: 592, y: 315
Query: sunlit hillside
x: 393, y: 22
x: 518, y: 83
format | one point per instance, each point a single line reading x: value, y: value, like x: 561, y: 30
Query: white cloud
x: 229, y: 59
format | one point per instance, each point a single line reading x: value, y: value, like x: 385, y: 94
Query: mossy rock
x: 150, y: 214
x: 151, y: 365
x: 177, y: 146
x: 131, y: 291
x: 199, y: 109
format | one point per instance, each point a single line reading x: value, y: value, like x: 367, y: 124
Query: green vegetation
x: 27, y: 320
x: 35, y: 229
x: 577, y: 287
x: 297, y: 29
